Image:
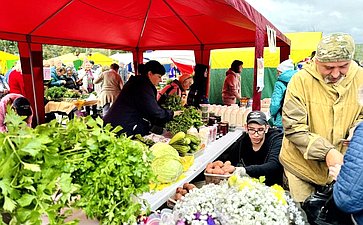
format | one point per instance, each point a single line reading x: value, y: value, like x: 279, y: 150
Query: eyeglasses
x: 259, y: 131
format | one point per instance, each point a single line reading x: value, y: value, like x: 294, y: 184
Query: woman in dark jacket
x: 136, y: 108
x: 198, y: 90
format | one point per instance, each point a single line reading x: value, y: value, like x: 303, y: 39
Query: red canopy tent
x: 138, y: 25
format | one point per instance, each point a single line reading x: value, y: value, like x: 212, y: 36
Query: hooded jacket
x: 316, y: 116
x: 278, y: 95
x: 348, y: 190
x: 231, y: 88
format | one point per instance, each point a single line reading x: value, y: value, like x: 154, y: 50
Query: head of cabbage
x: 167, y: 168
x: 160, y: 149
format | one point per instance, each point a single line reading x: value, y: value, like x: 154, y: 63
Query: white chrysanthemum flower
x: 247, y: 202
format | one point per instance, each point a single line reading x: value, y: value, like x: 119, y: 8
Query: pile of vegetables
x: 190, y: 117
x: 42, y: 168
x: 218, y: 167
x: 182, y: 191
x: 185, y: 143
x: 166, y: 165
x: 32, y: 171
x: 173, y: 102
x: 61, y: 92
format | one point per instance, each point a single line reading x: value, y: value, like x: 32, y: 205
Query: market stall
x: 197, y: 25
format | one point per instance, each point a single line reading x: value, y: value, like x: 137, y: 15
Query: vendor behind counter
x: 136, y: 108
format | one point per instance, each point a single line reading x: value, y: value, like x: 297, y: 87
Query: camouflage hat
x: 335, y: 48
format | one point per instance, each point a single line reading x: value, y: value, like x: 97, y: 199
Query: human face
x: 187, y: 83
x: 256, y: 132
x: 332, y: 72
x: 154, y: 78
x: 88, y: 66
x: 240, y: 68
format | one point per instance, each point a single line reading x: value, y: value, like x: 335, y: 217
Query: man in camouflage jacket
x: 320, y: 109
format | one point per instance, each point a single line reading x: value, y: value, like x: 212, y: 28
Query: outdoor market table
x: 68, y: 107
x: 212, y: 151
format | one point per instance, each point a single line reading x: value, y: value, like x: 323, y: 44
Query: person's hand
x: 240, y: 171
x: 64, y: 82
x: 178, y: 112
x: 333, y: 157
x: 334, y: 171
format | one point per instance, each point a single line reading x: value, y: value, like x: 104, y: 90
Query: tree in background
x: 51, y: 51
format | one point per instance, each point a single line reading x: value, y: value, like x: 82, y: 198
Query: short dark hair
x: 22, y: 106
x: 154, y: 67
x: 115, y: 66
x: 235, y: 65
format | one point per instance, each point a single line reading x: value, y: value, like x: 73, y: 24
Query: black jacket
x: 264, y: 162
x: 136, y: 108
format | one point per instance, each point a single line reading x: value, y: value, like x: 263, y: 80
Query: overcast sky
x: 326, y: 16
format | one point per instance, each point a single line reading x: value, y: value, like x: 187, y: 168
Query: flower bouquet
x: 238, y: 201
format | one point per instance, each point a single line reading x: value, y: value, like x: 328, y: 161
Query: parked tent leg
x: 138, y: 58
x: 32, y: 68
x: 259, y: 46
x: 284, y: 53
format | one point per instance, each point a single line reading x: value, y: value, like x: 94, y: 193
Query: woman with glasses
x: 256, y: 152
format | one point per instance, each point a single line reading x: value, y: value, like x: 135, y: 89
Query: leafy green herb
x: 30, y: 168
x: 191, y: 117
x: 83, y: 158
x: 173, y: 102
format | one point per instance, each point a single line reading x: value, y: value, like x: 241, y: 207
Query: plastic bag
x: 321, y: 209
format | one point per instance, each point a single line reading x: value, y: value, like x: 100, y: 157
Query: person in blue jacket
x: 284, y: 71
x: 136, y: 108
x: 57, y: 78
x: 348, y: 189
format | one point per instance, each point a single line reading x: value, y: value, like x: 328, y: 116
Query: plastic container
x: 215, y: 178
x: 204, y: 135
x: 227, y: 114
x: 239, y: 119
x: 222, y: 112
x: 233, y: 117
x: 170, y: 203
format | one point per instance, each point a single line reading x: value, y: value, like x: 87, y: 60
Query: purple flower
x: 210, y: 221
x: 181, y: 222
x: 197, y: 215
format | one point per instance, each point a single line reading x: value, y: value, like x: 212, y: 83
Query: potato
x: 218, y: 163
x: 231, y: 169
x: 178, y: 196
x: 218, y: 171
x: 184, y: 192
x: 190, y: 187
x: 209, y: 170
x: 179, y: 190
x: 227, y: 163
x: 210, y: 166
